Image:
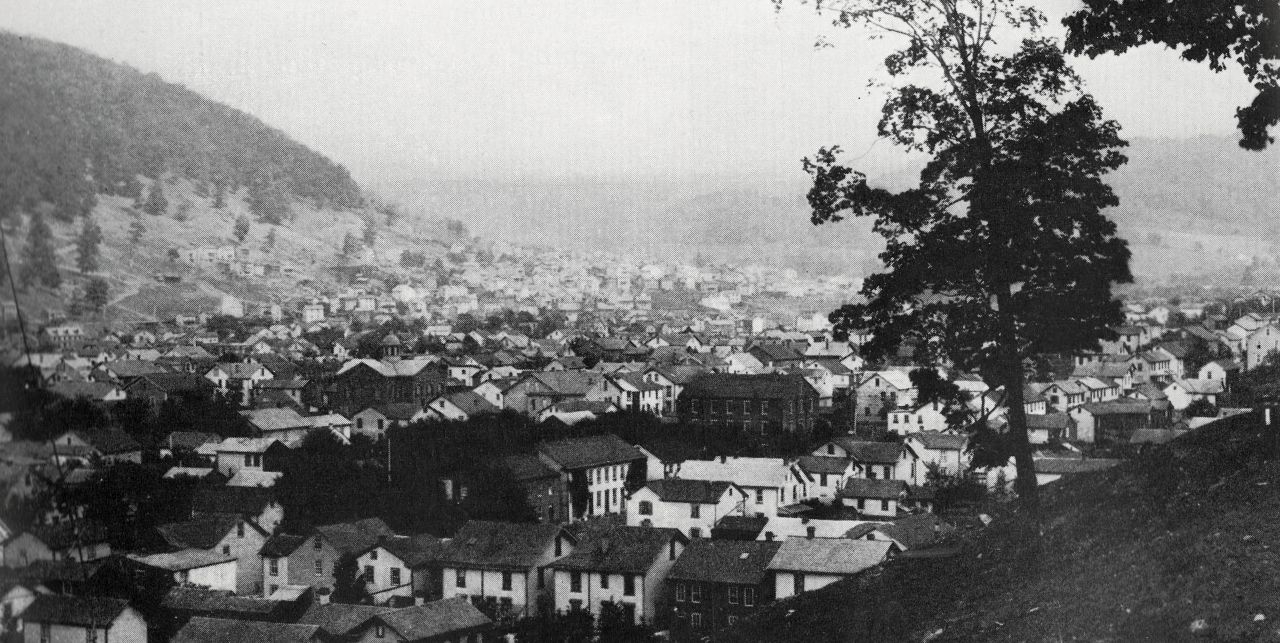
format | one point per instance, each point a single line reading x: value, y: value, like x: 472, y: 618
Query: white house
x: 945, y: 450
x: 691, y: 507
x: 770, y: 483
x: 827, y: 474
x: 199, y: 567
x: 874, y: 498
x: 926, y: 417
x: 1260, y: 343
x: 235, y: 454
x: 1182, y: 393
x: 625, y: 565
x: 806, y: 564
x: 504, y: 561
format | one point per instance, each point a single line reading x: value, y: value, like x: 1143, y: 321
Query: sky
x: 428, y: 89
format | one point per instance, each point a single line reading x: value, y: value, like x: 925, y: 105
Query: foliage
x: 349, y: 245
x: 97, y: 294
x: 81, y: 125
x: 156, y: 204
x: 617, y: 623
x: 269, y: 201
x: 411, y: 259
x: 370, y: 234
x: 1216, y: 31
x: 39, y: 263
x: 1201, y: 408
x: 1001, y: 251
x: 349, y: 584
x: 136, y: 230
x: 270, y: 242
x: 241, y: 229
x: 87, y: 246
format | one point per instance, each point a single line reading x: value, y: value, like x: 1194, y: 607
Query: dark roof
x: 415, y: 551
x: 871, y: 452
x: 109, y: 441
x: 401, y: 411
x: 742, y: 562
x: 201, y: 533
x: 499, y: 545
x: 742, y: 524
x: 823, y: 464
x: 74, y: 610
x: 190, y: 440
x: 246, y: 501
x: 875, y: 489
x: 735, y: 386
x: 915, y: 532
x: 777, y: 352
x: 176, y: 382
x: 68, y: 534
x: 621, y: 549
x: 281, y: 545
x: 435, y: 619
x: 202, y: 629
x: 938, y: 441
x: 355, y: 537
x: 693, y: 491
x: 525, y: 467
x: 200, y: 599
x: 338, y: 619
x: 1048, y: 421
x: 1118, y: 407
x: 591, y: 451
x: 1066, y: 466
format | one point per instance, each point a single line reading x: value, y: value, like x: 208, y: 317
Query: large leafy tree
x: 1212, y: 31
x: 1002, y: 251
x: 39, y: 262
x: 87, y: 246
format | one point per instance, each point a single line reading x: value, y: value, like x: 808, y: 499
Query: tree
x: 39, y: 262
x: 370, y: 232
x: 349, y: 245
x: 270, y: 242
x: 348, y: 583
x: 1201, y: 408
x: 156, y: 203
x: 87, y: 251
x: 97, y: 294
x: 1216, y: 31
x: 1001, y: 252
x: 269, y: 201
x: 241, y: 228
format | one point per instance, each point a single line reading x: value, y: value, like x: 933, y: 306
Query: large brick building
x: 363, y: 383
x: 751, y: 403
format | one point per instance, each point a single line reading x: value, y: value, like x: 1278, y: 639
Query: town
x: 497, y: 454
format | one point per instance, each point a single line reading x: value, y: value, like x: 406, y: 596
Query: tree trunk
x: 1016, y: 432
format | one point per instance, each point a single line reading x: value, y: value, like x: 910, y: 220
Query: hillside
x: 76, y: 126
x: 1188, y: 532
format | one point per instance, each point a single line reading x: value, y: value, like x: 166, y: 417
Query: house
x: 749, y: 403
x: 805, y: 564
x: 827, y: 474
x: 238, y: 380
x: 102, y: 393
x: 926, y: 417
x: 226, y: 534
x: 879, y: 392
x: 946, y: 451
x: 536, y: 391
x: 1041, y: 429
x: 1181, y: 393
x: 879, y: 498
x: 715, y: 583
x: 439, y: 621
x: 362, y: 383
x: 1064, y: 394
x: 459, y: 407
x: 71, y: 540
x: 401, y: 567
x: 203, y: 629
x: 771, y: 484
x: 253, y: 503
x: 877, y: 460
x: 1260, y: 343
x: 375, y: 420
x: 776, y: 355
x: 290, y: 428
x: 638, y: 393
x: 1226, y: 371
x: 198, y: 567
x: 626, y: 565
x: 1111, y: 422
x: 504, y: 561
x: 603, y: 461
x: 106, y: 446
x: 692, y: 507
x: 58, y: 617
x: 309, y: 560
x: 157, y: 388
x: 545, y: 490
x: 303, y: 393
x: 920, y: 531
x: 233, y: 455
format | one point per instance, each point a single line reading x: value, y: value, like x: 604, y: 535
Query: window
x: 733, y: 594
x: 604, y: 581
x: 759, y: 496
x: 748, y: 596
x: 319, y: 567
x: 542, y: 583
x: 628, y: 585
x: 460, y: 578
x: 380, y: 630
x: 273, y: 566
x: 395, y: 576
x: 240, y: 530
x: 695, y: 510
x: 888, y: 472
x: 360, y: 425
x: 248, y: 460
x: 884, y: 505
x: 695, y: 619
x: 811, y: 531
x: 671, y: 550
x: 506, y: 581
x: 559, y: 547
x: 797, y: 583
x: 226, y: 550
x: 695, y: 532
x: 646, y: 508
x: 823, y: 480
x: 695, y: 592
x: 575, y: 605
x: 575, y: 582
x: 272, y: 589
x: 732, y: 620
x: 681, y: 591
x: 315, y: 544
x: 368, y: 574
x: 764, y: 406
x: 373, y: 554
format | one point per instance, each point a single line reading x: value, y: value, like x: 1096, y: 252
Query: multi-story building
x: 749, y: 403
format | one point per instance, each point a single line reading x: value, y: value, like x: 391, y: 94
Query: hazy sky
x: 402, y: 90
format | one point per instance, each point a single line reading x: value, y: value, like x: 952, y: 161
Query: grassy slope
x: 1190, y: 531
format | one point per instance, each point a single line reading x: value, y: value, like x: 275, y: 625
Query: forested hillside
x: 73, y: 125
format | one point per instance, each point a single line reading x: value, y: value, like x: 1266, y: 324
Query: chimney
x: 723, y: 459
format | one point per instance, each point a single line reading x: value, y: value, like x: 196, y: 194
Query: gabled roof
x: 281, y: 545
x: 414, y: 551
x: 80, y: 611
x: 200, y: 599
x: 736, y: 386
x: 525, y: 467
x: 470, y: 402
x: 182, y: 560
x: 744, y: 472
x: 591, y: 451
x: 1201, y: 387
x: 355, y: 537
x: 915, y: 532
x: 500, y: 545
x: 740, y: 562
x: 396, y: 411
x: 707, y: 492
x: 201, y: 533
x: 630, y: 550
x: 92, y: 390
x: 1049, y: 421
x: 1118, y: 407
x: 897, y: 379
x: 339, y: 619
x: 109, y: 441
x: 876, y: 489
x: 174, y: 382
x: 870, y: 452
x: 202, y: 629
x: 938, y: 441
x: 823, y: 464
x: 435, y: 619
x: 841, y: 556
